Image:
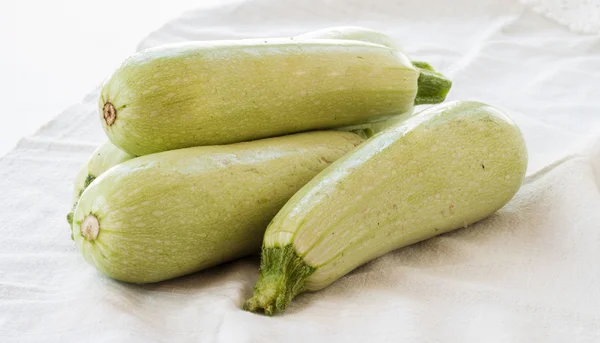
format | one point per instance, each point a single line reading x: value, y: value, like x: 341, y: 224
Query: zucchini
x: 449, y: 166
x: 219, y: 92
x: 370, y: 36
x: 103, y: 158
x: 429, y: 75
x: 173, y: 213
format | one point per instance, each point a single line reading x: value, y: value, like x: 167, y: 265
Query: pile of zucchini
x: 307, y: 147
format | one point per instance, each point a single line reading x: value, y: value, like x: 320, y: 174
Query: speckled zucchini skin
x: 106, y: 156
x: 372, y: 36
x: 445, y: 168
x: 220, y: 92
x: 169, y: 214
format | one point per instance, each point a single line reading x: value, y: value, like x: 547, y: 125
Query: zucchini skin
x: 445, y: 168
x: 433, y: 86
x: 221, y: 92
x: 173, y: 213
x: 362, y: 34
x: 104, y: 157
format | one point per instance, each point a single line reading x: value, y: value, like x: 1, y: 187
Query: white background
x: 55, y: 52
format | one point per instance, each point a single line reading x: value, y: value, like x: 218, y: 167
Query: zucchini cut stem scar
x: 109, y: 112
x: 90, y: 227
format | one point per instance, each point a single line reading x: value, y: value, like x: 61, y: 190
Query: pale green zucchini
x: 370, y: 36
x: 426, y: 71
x: 103, y: 158
x: 430, y: 80
x: 219, y: 92
x: 169, y: 214
x: 445, y: 168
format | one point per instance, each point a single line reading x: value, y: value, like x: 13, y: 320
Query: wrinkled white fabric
x: 529, y: 273
x: 578, y: 15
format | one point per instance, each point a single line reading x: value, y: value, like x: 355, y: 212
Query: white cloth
x: 529, y: 273
x: 578, y: 15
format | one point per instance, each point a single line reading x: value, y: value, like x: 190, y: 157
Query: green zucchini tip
x: 282, y: 276
x: 432, y: 86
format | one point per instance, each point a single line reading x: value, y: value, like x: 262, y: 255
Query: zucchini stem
x: 422, y: 65
x: 282, y: 276
x: 70, y: 220
x: 70, y: 216
x: 432, y: 86
x: 89, y: 179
